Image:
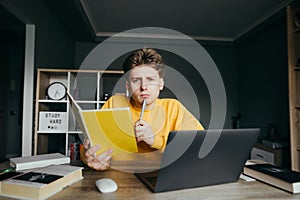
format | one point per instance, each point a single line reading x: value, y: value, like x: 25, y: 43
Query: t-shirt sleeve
x: 186, y: 120
x: 179, y: 118
x: 159, y: 142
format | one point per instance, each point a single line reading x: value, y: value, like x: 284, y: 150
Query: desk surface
x: 131, y: 188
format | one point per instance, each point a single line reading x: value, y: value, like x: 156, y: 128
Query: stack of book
x: 38, y: 182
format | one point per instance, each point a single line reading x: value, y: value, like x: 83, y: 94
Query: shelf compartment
x: 111, y: 84
x: 51, y: 106
x: 53, y: 143
x: 44, y: 79
x: 83, y: 86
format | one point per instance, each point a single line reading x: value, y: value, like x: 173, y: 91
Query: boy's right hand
x: 97, y: 162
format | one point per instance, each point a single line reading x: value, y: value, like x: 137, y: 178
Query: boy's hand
x: 97, y: 162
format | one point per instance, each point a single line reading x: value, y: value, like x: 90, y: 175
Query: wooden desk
x: 131, y: 188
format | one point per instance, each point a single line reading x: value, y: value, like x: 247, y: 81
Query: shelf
x: 87, y: 101
x: 75, y: 132
x: 51, y: 101
x: 60, y: 132
x: 51, y: 132
x: 88, y: 85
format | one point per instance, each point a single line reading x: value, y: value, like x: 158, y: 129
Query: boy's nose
x: 144, y: 85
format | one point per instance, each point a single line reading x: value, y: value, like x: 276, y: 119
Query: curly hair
x: 145, y: 56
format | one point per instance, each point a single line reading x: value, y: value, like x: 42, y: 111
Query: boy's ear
x: 127, y: 91
x: 162, y: 83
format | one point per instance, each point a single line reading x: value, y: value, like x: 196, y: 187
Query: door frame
x: 27, y: 124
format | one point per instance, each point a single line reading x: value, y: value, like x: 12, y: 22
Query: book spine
x: 75, y: 149
x: 80, y: 149
x: 72, y: 151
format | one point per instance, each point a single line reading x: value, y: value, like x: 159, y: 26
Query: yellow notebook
x: 111, y: 128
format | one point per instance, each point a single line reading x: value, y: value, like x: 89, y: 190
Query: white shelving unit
x: 87, y: 87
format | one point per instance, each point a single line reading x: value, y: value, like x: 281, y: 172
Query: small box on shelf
x: 276, y: 156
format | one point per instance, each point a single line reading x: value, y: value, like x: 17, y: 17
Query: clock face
x: 56, y: 91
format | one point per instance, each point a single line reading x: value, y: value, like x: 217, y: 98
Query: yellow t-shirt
x: 167, y: 115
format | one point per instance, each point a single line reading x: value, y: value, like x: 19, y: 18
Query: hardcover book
x: 37, y: 161
x: 40, y: 183
x: 283, y: 178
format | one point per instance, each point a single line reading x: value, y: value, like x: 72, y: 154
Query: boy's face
x: 144, y: 83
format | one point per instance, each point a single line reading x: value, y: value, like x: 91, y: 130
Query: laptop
x: 184, y: 166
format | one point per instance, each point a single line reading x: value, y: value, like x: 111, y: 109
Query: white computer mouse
x: 106, y: 185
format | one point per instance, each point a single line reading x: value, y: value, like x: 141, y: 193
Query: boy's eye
x: 135, y: 80
x: 150, y: 79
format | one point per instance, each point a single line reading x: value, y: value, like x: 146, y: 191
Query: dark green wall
x: 225, y: 57
x: 54, y: 46
x: 263, y: 79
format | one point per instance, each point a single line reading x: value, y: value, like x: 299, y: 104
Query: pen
x: 143, y: 109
